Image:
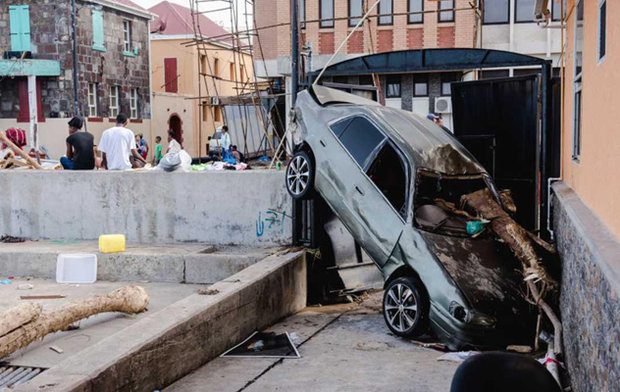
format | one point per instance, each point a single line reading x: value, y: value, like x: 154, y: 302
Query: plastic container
x: 112, y: 243
x: 76, y: 268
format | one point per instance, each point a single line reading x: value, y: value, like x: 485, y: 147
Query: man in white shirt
x: 173, y: 145
x: 225, y: 139
x: 117, y: 145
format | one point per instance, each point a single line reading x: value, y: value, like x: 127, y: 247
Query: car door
x: 359, y: 203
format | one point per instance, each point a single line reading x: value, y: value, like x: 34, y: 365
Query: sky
x: 222, y: 18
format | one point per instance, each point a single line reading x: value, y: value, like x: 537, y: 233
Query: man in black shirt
x: 80, y: 148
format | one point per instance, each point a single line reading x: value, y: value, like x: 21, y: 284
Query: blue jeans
x: 66, y: 163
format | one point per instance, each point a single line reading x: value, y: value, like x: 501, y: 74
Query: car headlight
x: 480, y: 319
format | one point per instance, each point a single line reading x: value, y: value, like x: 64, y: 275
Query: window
x: 385, y: 8
x: 92, y: 100
x: 446, y: 16
x: 127, y: 36
x: 524, y: 10
x: 393, y: 86
x: 355, y: 12
x: 496, y: 12
x: 602, y: 29
x: 203, y: 65
x: 525, y: 71
x: 416, y: 6
x: 389, y: 173
x: 98, y: 38
x: 494, y: 73
x: 420, y: 86
x: 231, y: 69
x: 216, y: 67
x: 446, y: 83
x: 361, y: 138
x: 170, y: 75
x: 205, y: 111
x: 19, y: 17
x: 217, y: 113
x: 242, y: 72
x: 302, y: 13
x: 133, y: 103
x: 556, y: 9
x: 577, y: 81
x: 326, y: 13
x: 113, y: 101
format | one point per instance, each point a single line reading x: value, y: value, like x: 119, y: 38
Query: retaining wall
x: 246, y: 208
x: 589, y: 299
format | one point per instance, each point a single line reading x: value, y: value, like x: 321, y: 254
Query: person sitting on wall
x: 173, y: 145
x: 225, y: 142
x: 80, y: 148
x: 118, y: 147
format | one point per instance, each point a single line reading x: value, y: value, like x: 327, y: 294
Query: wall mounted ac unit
x: 215, y: 101
x: 443, y: 105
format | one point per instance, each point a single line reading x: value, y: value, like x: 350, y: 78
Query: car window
x: 340, y: 126
x: 361, y: 138
x: 389, y: 173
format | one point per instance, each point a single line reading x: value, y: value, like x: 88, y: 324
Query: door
x: 362, y: 206
x: 497, y: 120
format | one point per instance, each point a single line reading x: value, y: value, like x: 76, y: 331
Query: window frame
x: 92, y: 95
x: 17, y: 30
x: 388, y: 83
x: 354, y: 19
x: 409, y: 9
x: 553, y: 5
x: 391, y: 17
x: 301, y: 13
x: 328, y: 23
x: 114, y: 94
x: 127, y: 35
x: 439, y: 12
x: 425, y: 82
x: 517, y: 13
x: 601, y: 32
x: 97, y: 15
x: 577, y: 87
x: 498, y: 23
x: 134, y: 103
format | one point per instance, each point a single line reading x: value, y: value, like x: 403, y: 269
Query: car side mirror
x: 508, y: 202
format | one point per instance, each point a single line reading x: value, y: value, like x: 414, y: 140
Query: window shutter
x: 98, y: 41
x: 170, y: 75
x: 19, y: 16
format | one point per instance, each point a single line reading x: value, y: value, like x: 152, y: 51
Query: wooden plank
x: 18, y: 151
x: 52, y: 296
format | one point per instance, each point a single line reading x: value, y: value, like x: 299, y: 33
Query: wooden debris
x: 51, y: 296
x: 519, y: 349
x: 128, y: 299
x: 17, y: 316
x: 208, y: 291
x: 19, y: 151
x: 57, y: 349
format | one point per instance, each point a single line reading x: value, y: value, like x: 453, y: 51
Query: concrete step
x: 174, y: 263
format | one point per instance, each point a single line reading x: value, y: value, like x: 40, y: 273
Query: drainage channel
x: 11, y: 376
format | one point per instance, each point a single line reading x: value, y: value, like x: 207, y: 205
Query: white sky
x: 222, y: 18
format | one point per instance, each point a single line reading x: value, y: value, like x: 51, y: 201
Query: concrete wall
x: 169, y: 344
x: 590, y: 294
x: 250, y: 207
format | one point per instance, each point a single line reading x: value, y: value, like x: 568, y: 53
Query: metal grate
x: 11, y: 376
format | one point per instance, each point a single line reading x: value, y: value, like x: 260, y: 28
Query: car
x: 388, y: 175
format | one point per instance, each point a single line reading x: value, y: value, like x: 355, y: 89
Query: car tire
x: 406, y: 307
x: 300, y: 176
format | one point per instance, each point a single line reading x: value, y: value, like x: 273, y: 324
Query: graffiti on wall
x: 270, y: 221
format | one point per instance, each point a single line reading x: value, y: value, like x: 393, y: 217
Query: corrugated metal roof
x: 174, y: 19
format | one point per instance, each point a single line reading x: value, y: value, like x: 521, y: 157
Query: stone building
x: 112, y: 66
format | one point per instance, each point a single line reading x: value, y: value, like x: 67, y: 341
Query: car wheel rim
x: 298, y: 175
x: 400, y: 307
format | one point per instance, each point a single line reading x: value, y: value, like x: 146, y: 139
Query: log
x: 18, y: 316
x: 19, y: 151
x: 128, y: 299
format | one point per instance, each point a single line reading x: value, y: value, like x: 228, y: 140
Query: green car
x: 386, y: 173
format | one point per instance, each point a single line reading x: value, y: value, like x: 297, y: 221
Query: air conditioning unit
x: 443, y: 105
x: 215, y: 101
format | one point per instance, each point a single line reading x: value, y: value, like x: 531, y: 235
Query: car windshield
x: 437, y: 203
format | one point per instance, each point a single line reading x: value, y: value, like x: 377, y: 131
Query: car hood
x: 486, y: 272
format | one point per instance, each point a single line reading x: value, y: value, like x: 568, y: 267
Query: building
x: 510, y: 25
x: 586, y: 207
x: 112, y: 66
x: 326, y: 23
x: 186, y: 82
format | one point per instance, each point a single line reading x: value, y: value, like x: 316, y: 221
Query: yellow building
x: 183, y: 100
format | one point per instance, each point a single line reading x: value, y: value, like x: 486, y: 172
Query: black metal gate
x: 498, y: 121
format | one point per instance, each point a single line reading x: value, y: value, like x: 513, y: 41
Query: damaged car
x: 393, y: 179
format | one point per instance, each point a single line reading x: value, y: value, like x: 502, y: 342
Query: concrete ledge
x: 171, y: 343
x: 181, y: 263
x: 589, y: 297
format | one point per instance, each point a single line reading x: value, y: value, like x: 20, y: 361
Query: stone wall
x: 50, y: 32
x: 220, y: 208
x: 589, y: 299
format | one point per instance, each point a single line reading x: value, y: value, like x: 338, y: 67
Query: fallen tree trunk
x: 128, y: 299
x: 18, y: 316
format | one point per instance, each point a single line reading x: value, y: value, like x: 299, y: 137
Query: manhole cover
x: 11, y: 376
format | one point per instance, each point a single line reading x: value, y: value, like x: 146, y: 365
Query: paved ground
x: 343, y: 348
x: 92, y: 329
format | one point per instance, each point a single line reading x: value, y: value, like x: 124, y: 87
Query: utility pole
x: 76, y: 108
x: 294, y: 53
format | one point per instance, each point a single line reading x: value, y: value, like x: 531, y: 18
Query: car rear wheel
x: 300, y: 176
x: 405, y: 307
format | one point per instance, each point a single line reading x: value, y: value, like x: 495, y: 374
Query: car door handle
x: 358, y: 189
x: 322, y: 143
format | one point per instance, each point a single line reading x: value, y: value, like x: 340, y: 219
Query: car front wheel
x: 405, y: 307
x: 300, y: 176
